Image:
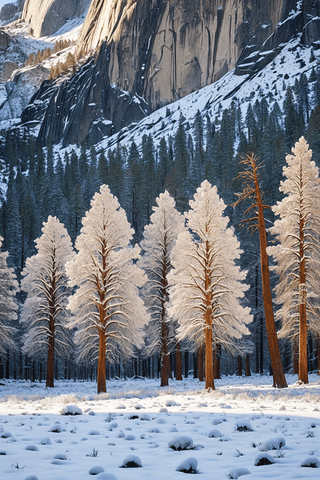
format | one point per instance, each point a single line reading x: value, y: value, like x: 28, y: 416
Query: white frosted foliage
x: 160, y: 236
x: 107, y: 280
x: 204, y: 267
x: 45, y: 283
x: 8, y: 304
x: 299, y: 214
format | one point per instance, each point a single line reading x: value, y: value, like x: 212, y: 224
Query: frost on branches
x: 8, y: 304
x: 297, y: 254
x: 108, y: 313
x: 44, y: 313
x: 159, y: 238
x: 206, y: 282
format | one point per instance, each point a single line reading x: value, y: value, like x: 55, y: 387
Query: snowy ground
x: 138, y: 418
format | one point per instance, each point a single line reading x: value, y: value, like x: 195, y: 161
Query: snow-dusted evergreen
x: 159, y: 238
x: 297, y: 254
x: 8, y: 303
x: 206, y: 283
x: 44, y: 312
x: 108, y: 313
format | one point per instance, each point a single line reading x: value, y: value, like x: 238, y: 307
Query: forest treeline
x: 40, y: 184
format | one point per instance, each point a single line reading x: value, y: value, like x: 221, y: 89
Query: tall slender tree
x: 206, y: 283
x: 44, y: 312
x: 297, y: 254
x: 159, y: 239
x: 108, y: 313
x: 251, y: 191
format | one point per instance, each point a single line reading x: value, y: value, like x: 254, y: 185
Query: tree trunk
x: 50, y: 357
x: 295, y: 357
x: 247, y: 363
x: 164, y: 356
x: 178, y: 362
x: 303, y: 327
x: 277, y: 368
x: 101, y: 375
x: 318, y: 353
x: 200, y: 363
x: 216, y: 361
x: 239, y: 371
x: 186, y: 364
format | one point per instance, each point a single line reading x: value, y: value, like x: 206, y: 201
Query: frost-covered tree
x: 8, y: 304
x: 206, y: 284
x: 44, y: 312
x: 159, y: 238
x: 297, y: 254
x: 108, y: 313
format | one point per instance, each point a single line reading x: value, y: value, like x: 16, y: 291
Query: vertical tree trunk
x: 303, y: 327
x: 50, y: 357
x: 277, y: 368
x: 217, y: 361
x: 295, y: 356
x: 101, y: 375
x: 239, y: 371
x: 200, y: 363
x: 186, y: 364
x: 178, y: 362
x: 208, y: 325
x: 318, y: 353
x: 195, y: 364
x: 247, y: 363
x: 164, y: 356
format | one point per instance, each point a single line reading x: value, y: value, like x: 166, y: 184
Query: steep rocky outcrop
x: 45, y: 17
x: 160, y: 51
x: 10, y: 10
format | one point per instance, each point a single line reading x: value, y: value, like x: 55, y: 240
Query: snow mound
x: 32, y: 448
x: 264, y: 458
x: 238, y: 472
x: 71, y: 410
x: 188, y: 465
x: 274, y: 443
x: 6, y: 435
x: 45, y: 441
x: 145, y: 417
x: 56, y: 428
x: 130, y: 437
x: 131, y: 461
x: 311, y: 462
x: 96, y: 470
x: 94, y: 432
x: 32, y: 477
x: 214, y: 433
x: 181, y: 443
x: 243, y: 425
x: 217, y: 421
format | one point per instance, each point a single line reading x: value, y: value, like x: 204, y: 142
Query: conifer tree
x: 159, y: 239
x: 206, y: 284
x: 44, y: 313
x: 8, y: 304
x: 108, y: 312
x: 298, y: 252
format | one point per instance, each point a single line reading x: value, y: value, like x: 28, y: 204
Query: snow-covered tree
x: 108, y: 313
x: 44, y: 312
x: 159, y: 238
x: 206, y: 284
x: 297, y: 254
x: 8, y: 304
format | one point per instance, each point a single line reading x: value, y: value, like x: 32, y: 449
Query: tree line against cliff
x: 38, y: 186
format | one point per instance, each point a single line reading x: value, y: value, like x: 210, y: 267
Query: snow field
x: 139, y: 419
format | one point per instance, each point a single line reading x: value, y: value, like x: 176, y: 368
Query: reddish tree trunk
x: 200, y: 363
x: 318, y: 353
x: 275, y: 357
x: 208, y: 329
x: 101, y: 376
x: 178, y: 362
x: 50, y: 358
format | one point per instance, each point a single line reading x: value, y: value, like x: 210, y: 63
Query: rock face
x: 9, y: 10
x: 160, y: 51
x: 45, y: 17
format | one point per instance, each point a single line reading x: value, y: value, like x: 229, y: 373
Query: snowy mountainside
x: 268, y: 83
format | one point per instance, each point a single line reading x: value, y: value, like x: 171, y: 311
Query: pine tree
x: 159, y: 239
x: 298, y: 252
x: 8, y: 304
x: 206, y: 284
x: 44, y: 313
x: 108, y: 312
